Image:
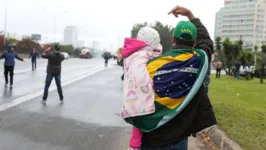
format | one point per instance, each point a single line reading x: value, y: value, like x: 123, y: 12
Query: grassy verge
x: 240, y: 108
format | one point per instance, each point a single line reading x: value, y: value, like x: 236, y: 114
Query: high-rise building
x: 81, y: 43
x: 71, y: 35
x: 242, y: 19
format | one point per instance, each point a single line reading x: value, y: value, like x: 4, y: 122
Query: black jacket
x: 197, y: 115
x: 34, y: 56
x: 54, y: 62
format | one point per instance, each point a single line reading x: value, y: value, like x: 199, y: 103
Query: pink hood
x: 132, y: 45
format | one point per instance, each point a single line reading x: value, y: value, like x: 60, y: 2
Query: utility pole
x: 5, y: 25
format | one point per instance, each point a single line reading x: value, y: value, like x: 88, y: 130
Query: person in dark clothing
x: 237, y: 72
x: 218, y: 69
x: 34, y: 55
x: 55, y: 59
x: 198, y: 114
x: 9, y: 64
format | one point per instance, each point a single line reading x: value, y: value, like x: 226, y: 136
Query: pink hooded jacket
x: 138, y: 94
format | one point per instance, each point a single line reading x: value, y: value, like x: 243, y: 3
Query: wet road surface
x: 87, y: 120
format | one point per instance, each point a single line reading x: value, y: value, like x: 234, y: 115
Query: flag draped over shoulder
x: 177, y: 76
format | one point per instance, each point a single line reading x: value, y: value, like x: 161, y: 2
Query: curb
x: 220, y: 139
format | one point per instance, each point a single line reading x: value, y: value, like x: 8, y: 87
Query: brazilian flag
x: 177, y: 76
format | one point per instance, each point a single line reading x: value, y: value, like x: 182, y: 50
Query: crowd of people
x: 53, y: 68
x: 165, y: 95
x: 247, y: 71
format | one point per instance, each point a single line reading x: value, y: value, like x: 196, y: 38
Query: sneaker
x: 6, y: 85
x: 44, y: 102
x: 11, y: 86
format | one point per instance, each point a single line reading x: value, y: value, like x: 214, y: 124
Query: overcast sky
x: 108, y: 21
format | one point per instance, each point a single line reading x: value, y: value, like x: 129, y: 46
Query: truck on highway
x: 85, y: 53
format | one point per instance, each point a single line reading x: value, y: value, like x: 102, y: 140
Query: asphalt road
x: 88, y: 120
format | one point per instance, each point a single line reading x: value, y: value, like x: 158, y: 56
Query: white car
x: 66, y: 55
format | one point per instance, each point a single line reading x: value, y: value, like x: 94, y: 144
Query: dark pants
x: 218, y: 73
x: 34, y: 64
x: 10, y: 70
x: 106, y: 63
x: 182, y: 145
x: 238, y: 74
x: 122, y: 77
x: 49, y: 78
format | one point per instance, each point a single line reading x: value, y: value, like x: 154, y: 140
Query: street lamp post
x: 55, y: 21
x: 5, y: 24
x: 55, y: 29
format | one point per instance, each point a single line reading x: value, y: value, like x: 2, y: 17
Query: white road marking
x: 40, y: 92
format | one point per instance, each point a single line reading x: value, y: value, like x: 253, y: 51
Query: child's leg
x: 135, y: 141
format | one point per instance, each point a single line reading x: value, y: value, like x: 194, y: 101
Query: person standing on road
x: 55, y: 59
x: 198, y: 113
x: 34, y: 55
x: 106, y: 57
x: 9, y: 64
x: 218, y: 69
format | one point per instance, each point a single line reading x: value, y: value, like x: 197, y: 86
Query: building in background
x: 71, y: 35
x: 81, y: 43
x: 245, y: 19
x: 96, y: 45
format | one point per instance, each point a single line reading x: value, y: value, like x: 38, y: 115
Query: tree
x: 256, y: 48
x: 263, y: 49
x: 77, y: 51
x: 10, y: 39
x: 165, y: 32
x: 67, y: 48
x: 136, y: 28
x: 26, y: 45
x: 246, y: 57
x: 218, y: 48
x: 228, y: 50
x: 238, y: 48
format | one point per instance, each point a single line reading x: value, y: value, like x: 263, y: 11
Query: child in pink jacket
x: 138, y: 94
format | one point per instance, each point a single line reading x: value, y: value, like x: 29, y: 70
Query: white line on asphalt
x: 39, y: 93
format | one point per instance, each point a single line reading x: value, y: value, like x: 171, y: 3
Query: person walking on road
x: 55, y: 59
x: 218, y: 69
x: 198, y: 113
x: 106, y: 57
x: 34, y: 55
x: 9, y: 64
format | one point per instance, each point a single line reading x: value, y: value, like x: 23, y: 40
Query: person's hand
x: 178, y: 10
x: 48, y: 50
x: 25, y: 60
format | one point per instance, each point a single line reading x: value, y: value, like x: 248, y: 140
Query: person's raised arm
x: 45, y: 53
x: 203, y: 41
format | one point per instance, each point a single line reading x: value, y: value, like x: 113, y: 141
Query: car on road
x: 66, y: 55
